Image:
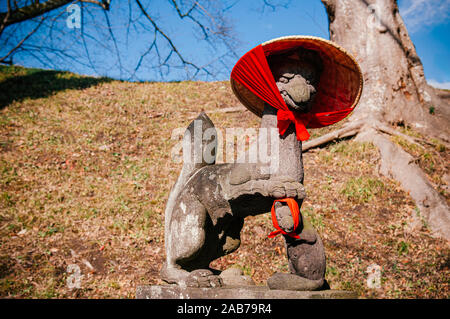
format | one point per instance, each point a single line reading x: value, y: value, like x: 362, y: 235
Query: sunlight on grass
x: 362, y: 189
x: 86, y: 170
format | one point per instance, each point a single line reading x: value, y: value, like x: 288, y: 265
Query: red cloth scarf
x: 295, y: 211
x: 253, y: 72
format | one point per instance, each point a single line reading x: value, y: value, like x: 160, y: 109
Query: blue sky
x: 428, y: 23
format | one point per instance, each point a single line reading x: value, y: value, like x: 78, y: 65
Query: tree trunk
x: 395, y: 92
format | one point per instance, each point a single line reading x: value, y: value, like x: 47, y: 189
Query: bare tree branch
x: 169, y: 41
x: 104, y: 3
x: 3, y: 59
x: 36, y: 9
x: 31, y: 11
x: 114, y: 41
x: 90, y: 41
x: 5, y: 18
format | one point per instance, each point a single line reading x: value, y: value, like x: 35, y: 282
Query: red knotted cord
x: 295, y: 211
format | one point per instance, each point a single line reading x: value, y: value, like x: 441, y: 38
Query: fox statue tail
x: 199, y: 150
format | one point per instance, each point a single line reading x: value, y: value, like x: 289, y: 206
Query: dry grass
x: 431, y: 156
x: 85, y: 172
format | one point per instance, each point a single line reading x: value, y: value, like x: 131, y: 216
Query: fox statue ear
x: 199, y: 144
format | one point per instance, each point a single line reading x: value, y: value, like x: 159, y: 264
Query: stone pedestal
x: 250, y: 292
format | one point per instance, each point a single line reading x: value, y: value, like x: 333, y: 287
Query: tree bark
x: 395, y: 92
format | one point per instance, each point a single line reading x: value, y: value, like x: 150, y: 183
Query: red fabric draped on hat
x: 253, y: 72
x: 338, y: 91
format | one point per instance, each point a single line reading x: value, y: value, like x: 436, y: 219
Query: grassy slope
x: 86, y: 169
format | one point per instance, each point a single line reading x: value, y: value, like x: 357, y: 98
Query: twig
x: 21, y: 42
x: 170, y: 42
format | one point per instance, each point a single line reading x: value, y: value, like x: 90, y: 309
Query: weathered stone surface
x: 209, y: 202
x: 202, y: 278
x: 235, y: 277
x: 284, y: 217
x: 280, y: 281
x: 306, y: 255
x: 297, y: 75
x: 252, y: 292
x: 204, y: 217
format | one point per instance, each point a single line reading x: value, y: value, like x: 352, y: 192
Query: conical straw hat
x: 338, y: 91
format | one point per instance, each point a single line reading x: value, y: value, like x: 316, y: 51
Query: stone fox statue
x: 207, y: 206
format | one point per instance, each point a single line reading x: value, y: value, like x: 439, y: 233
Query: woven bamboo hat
x: 338, y: 91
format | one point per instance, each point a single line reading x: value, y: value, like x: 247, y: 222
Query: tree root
x: 346, y: 131
x: 413, y: 140
x: 399, y: 165
x: 389, y: 130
